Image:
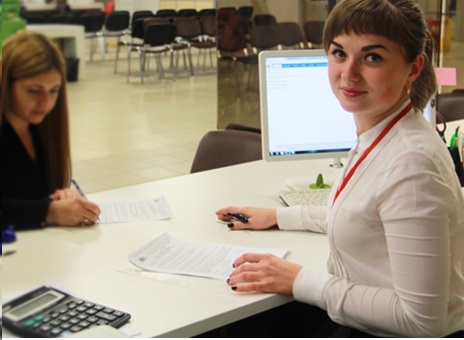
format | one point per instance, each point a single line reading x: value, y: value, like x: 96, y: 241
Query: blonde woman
x: 395, y: 222
x: 36, y: 161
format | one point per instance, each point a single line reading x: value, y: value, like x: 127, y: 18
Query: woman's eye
x: 373, y: 58
x: 338, y: 53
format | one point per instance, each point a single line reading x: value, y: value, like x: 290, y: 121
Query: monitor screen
x: 300, y: 116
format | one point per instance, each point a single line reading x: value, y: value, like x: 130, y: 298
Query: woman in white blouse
x: 395, y: 221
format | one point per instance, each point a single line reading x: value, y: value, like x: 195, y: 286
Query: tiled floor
x: 127, y: 133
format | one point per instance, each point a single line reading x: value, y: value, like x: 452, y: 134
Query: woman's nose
x: 351, y: 70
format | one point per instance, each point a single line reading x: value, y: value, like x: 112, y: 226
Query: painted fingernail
x: 230, y: 225
x: 233, y: 287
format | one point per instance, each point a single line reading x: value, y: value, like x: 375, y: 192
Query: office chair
x: 220, y: 148
x: 290, y: 35
x: 313, y: 32
x: 451, y: 105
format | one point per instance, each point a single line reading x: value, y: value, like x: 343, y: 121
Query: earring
x: 408, y: 91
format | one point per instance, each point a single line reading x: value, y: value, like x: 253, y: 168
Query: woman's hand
x: 72, y: 211
x: 263, y: 273
x: 258, y: 218
x: 64, y: 194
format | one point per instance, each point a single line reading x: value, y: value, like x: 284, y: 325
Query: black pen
x: 237, y: 217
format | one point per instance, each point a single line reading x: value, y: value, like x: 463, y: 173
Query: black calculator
x: 49, y: 313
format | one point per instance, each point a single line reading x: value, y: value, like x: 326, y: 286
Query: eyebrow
x: 364, y: 49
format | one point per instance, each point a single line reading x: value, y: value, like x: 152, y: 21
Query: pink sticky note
x: 446, y: 76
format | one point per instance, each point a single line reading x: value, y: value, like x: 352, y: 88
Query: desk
x: 88, y: 261
x: 73, y: 37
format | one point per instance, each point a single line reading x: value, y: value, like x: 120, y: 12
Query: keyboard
x: 317, y: 197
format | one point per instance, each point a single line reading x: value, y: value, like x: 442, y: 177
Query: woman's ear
x: 416, y: 68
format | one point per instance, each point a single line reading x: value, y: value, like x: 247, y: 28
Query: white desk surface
x: 90, y: 262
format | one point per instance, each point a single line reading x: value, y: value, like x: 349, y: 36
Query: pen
x: 237, y: 217
x: 78, y: 188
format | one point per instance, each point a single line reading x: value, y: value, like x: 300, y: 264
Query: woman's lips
x: 351, y: 92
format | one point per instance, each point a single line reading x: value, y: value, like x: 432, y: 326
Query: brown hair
x: 28, y: 54
x: 400, y: 21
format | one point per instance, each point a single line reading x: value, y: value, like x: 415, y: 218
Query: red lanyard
x: 369, y: 149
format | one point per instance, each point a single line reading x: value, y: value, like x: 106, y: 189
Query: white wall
x: 136, y: 5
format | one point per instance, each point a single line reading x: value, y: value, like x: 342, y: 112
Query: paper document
x: 167, y: 254
x: 149, y: 210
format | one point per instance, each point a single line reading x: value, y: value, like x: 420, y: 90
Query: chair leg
x: 189, y: 55
x: 128, y: 63
x: 159, y: 65
x: 117, y: 56
x: 102, y: 42
x: 142, y: 65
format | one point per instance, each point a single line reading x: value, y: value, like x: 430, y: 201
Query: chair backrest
x: 290, y: 35
x: 92, y: 21
x: 207, y: 11
x: 246, y: 10
x: 187, y: 12
x: 141, y: 14
x: 232, y: 31
x: 264, y: 37
x: 166, y: 13
x: 222, y: 148
x: 137, y: 30
x: 159, y: 34
x: 208, y: 25
x: 313, y: 31
x: 187, y: 27
x: 264, y: 19
x: 451, y: 105
x: 117, y: 21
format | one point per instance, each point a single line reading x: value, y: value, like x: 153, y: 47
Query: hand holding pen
x: 247, y: 218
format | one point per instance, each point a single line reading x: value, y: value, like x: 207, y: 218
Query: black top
x: 25, y: 190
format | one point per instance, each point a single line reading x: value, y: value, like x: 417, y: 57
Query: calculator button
x: 118, y: 313
x: 89, y: 305
x: 91, y: 311
x: 102, y: 322
x: 108, y: 310
x: 82, y: 316
x: 92, y: 319
x: 65, y: 325
x: 72, y: 305
x: 75, y: 329
x: 78, y: 301
x: 56, y: 331
x: 45, y: 328
x: 55, y: 323
x: 64, y: 318
x: 72, y: 313
x: 81, y: 309
x: 29, y: 323
x: 53, y: 314
x: 84, y: 324
x: 98, y: 307
x: 63, y: 310
x: 74, y: 321
x: 106, y: 316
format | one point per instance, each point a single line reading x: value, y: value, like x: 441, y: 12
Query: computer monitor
x: 300, y: 116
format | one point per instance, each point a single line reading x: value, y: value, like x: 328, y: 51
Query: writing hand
x: 72, y: 212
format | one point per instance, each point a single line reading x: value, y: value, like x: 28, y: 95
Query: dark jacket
x: 25, y: 190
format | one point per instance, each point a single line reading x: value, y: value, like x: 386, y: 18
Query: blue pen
x: 78, y: 188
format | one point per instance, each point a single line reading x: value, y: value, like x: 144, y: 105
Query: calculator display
x: 26, y: 308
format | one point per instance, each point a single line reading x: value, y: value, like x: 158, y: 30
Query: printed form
x: 149, y: 210
x: 167, y: 254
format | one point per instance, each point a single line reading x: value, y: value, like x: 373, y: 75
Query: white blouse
x: 396, y: 235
